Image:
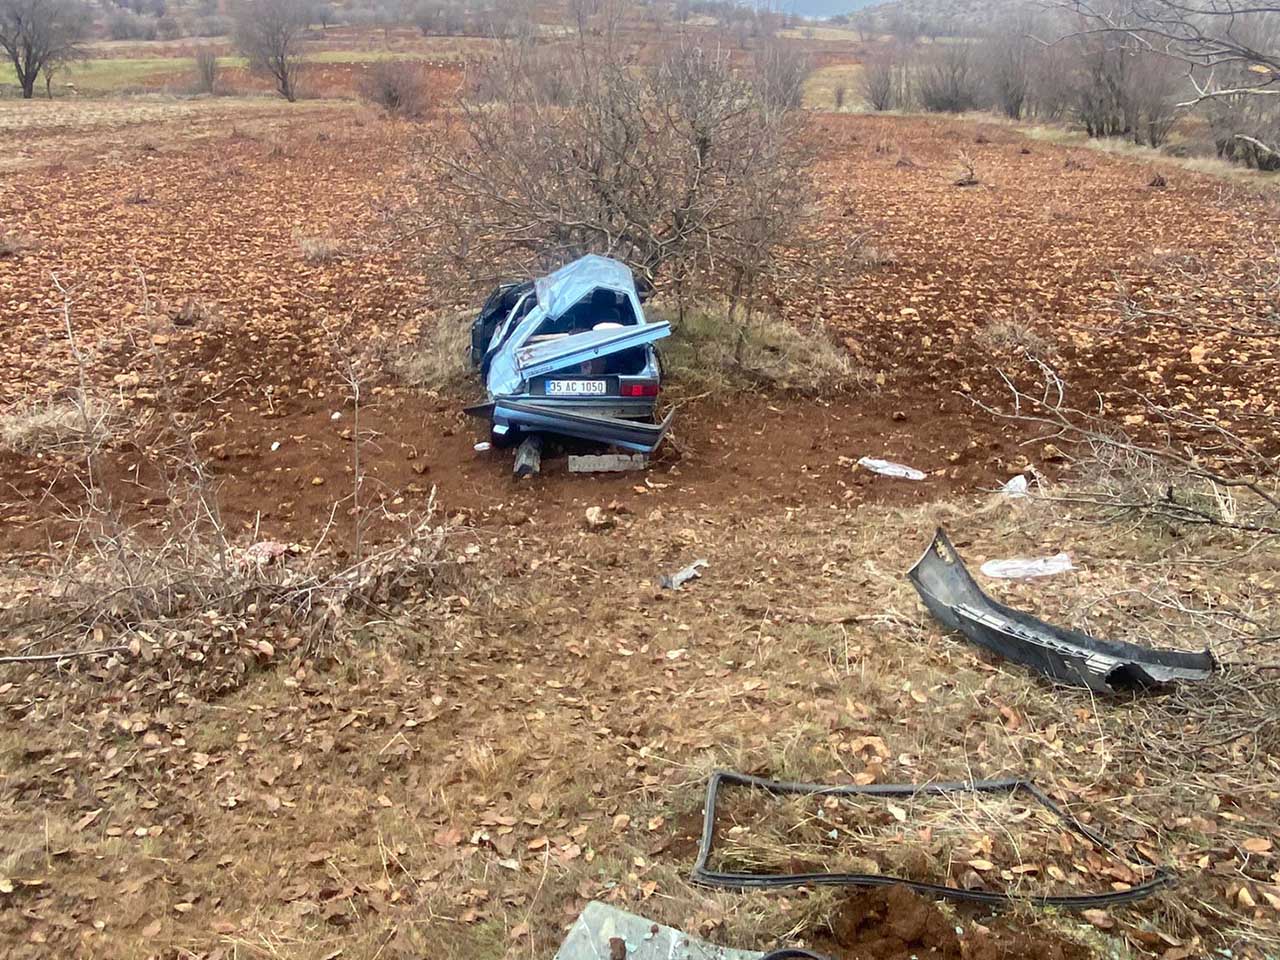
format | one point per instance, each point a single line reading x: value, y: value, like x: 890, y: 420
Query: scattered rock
x: 597, y: 519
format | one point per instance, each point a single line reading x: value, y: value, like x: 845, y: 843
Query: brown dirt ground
x: 390, y: 810
x: 219, y: 223
x: 893, y: 923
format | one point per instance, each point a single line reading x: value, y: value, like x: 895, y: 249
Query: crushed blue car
x: 571, y: 354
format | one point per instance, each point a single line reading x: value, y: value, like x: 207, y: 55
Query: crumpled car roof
x: 559, y: 291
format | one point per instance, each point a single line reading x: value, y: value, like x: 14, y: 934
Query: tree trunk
x: 28, y: 86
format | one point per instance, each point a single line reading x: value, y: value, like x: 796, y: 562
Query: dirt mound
x: 894, y: 923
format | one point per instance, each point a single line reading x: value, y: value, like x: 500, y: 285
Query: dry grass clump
x: 437, y: 358
x: 1013, y: 336
x: 397, y: 86
x: 710, y: 350
x: 14, y: 243
x: 320, y: 249
x: 1001, y: 842
x: 175, y: 585
x: 871, y: 256
x: 70, y: 424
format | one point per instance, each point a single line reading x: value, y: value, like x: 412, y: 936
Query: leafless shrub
x: 1245, y: 129
x: 206, y: 70
x: 885, y: 80
x: 320, y: 249
x: 685, y: 168
x: 949, y: 81
x: 904, y: 27
x: 1188, y: 469
x: 127, y: 582
x: 154, y: 586
x: 1151, y: 97
x: 967, y: 175
x: 1009, y: 57
x: 779, y: 70
x: 838, y: 94
x: 397, y: 86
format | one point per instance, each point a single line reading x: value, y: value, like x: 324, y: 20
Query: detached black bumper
x: 1068, y: 656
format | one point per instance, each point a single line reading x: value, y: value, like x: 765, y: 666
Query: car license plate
x: 576, y: 388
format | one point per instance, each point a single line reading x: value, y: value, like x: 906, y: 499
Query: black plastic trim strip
x: 741, y: 881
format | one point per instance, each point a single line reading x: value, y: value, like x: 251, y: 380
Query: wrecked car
x: 571, y: 354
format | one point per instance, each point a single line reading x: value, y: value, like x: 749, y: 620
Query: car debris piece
x: 737, y: 880
x: 1068, y: 656
x: 674, y: 581
x: 607, y: 462
x: 571, y: 353
x: 602, y: 931
x: 528, y: 457
x: 887, y: 468
x: 1033, y: 567
x: 1015, y: 488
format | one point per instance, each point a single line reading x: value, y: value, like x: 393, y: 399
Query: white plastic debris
x: 482, y: 446
x: 1016, y: 487
x: 888, y: 468
x: 675, y: 581
x: 336, y: 415
x: 275, y: 445
x: 1019, y: 568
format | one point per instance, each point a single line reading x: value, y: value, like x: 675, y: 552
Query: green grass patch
x: 113, y: 75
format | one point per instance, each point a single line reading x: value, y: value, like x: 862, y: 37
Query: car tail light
x: 639, y: 389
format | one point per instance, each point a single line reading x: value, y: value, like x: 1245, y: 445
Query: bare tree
x: 38, y: 36
x: 1152, y: 100
x: 885, y: 80
x: 1229, y: 51
x: 949, y: 80
x: 680, y: 167
x: 1216, y: 40
x: 1009, y: 56
x: 206, y: 69
x: 780, y: 70
x: 863, y: 24
x: 904, y: 27
x: 268, y: 33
